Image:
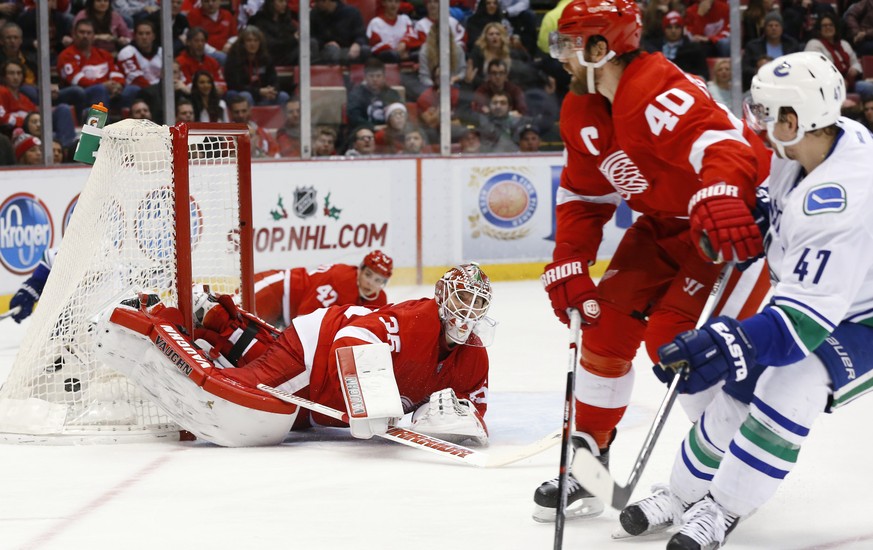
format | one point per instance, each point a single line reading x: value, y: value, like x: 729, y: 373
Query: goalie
x: 434, y: 380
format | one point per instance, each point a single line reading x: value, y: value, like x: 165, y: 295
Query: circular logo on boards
x: 507, y: 200
x: 155, y: 226
x: 26, y: 231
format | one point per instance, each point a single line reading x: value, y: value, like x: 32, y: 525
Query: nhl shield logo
x: 304, y: 202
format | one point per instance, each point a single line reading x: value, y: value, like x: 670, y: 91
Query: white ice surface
x: 324, y: 490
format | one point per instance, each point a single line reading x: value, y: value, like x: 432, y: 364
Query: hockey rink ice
x: 322, y: 489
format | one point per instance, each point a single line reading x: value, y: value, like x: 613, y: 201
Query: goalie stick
x: 440, y: 447
x: 593, y: 475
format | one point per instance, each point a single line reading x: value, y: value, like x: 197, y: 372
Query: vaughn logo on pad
x: 824, y: 198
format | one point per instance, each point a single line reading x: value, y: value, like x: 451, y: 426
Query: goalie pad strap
x: 242, y: 344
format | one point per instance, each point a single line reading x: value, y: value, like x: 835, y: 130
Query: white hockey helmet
x: 463, y: 296
x: 805, y: 81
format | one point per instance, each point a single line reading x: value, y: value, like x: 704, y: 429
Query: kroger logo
x: 26, y: 231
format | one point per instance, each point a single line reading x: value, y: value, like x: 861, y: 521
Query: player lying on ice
x: 434, y: 380
x: 811, y: 346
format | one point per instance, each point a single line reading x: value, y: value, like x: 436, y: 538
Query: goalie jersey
x: 819, y: 243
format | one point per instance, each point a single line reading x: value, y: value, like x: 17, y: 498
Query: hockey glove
x: 722, y: 225
x: 23, y: 300
x: 712, y: 353
x: 761, y: 214
x: 447, y: 417
x: 570, y: 286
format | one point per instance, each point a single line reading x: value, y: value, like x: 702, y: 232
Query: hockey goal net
x: 163, y: 208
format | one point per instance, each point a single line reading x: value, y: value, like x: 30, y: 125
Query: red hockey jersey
x: 680, y: 138
x: 422, y: 362
x: 76, y: 69
x: 282, y: 295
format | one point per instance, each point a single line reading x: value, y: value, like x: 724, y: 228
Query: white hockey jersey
x: 820, y: 242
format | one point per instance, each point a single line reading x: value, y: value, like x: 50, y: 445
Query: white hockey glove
x: 447, y: 417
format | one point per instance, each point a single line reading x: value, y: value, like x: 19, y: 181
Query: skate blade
x: 581, y: 509
x: 621, y: 534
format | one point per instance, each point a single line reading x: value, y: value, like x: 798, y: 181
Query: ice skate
x: 653, y: 514
x: 580, y: 503
x: 705, y: 526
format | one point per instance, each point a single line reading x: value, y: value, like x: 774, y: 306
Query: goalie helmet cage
x: 149, y: 185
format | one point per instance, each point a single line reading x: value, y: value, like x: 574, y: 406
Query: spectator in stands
x: 28, y: 148
x: 429, y: 59
x: 90, y: 68
x: 829, y: 42
x: 494, y: 44
x: 288, y: 136
x: 362, y: 142
x: 8, y: 10
x: 487, y: 11
x: 280, y: 32
x: 415, y: 142
x: 184, y: 110
x: 180, y: 26
x: 543, y: 106
x: 263, y: 144
x: 471, y: 141
x: 219, y: 24
x: 367, y: 100
x: 57, y: 152
x: 250, y: 72
x: 422, y: 27
x: 389, y: 33
x: 867, y: 118
x: 524, y: 24
x: 134, y: 10
x: 324, y: 141
x: 204, y: 95
x: 10, y: 48
x: 340, y: 33
x: 653, y: 19
x: 774, y: 43
x: 678, y: 47
x: 550, y: 66
x: 60, y: 30
x: 529, y: 139
x: 16, y: 109
x: 501, y: 125
x: 139, y: 110
x: 390, y: 139
x: 33, y: 123
x: 181, y: 86
x: 497, y: 81
x: 859, y: 26
x: 801, y: 17
x: 720, y: 83
x: 194, y: 59
x: 7, y: 152
x: 753, y: 19
x: 428, y: 106
x: 141, y: 63
x: 709, y: 24
x: 111, y: 32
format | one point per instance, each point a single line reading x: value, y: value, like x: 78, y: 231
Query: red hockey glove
x: 569, y: 285
x: 722, y: 225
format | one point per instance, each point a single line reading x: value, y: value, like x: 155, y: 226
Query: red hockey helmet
x: 618, y: 21
x: 463, y: 296
x: 380, y: 263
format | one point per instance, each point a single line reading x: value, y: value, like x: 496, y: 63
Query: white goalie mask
x: 808, y: 83
x: 463, y: 296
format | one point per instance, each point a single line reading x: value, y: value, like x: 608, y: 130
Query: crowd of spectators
x: 235, y: 60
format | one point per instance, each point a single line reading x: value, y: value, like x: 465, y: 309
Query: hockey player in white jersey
x: 812, y: 346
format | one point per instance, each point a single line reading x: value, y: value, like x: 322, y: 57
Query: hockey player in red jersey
x: 283, y: 294
x: 656, y: 139
x: 437, y: 359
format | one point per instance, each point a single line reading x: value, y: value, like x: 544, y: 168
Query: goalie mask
x: 380, y: 266
x: 617, y: 21
x: 463, y: 296
x: 808, y: 83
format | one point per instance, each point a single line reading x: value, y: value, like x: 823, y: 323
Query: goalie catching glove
x: 447, y: 417
x: 722, y: 225
x: 570, y: 286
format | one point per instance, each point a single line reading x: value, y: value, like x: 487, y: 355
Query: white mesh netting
x: 121, y: 239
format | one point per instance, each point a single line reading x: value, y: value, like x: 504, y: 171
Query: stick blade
x: 593, y: 475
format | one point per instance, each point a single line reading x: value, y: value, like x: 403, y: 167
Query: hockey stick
x: 593, y: 475
x: 10, y: 313
x: 440, y: 447
x: 567, y: 427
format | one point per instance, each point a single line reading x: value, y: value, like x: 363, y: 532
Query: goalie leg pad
x: 369, y: 388
x: 182, y: 380
x: 447, y: 417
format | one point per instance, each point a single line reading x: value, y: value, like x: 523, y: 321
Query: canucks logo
x: 824, y: 198
x: 26, y: 231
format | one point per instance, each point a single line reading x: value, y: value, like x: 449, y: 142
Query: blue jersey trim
x: 757, y: 463
x: 774, y: 343
x: 702, y: 426
x: 804, y: 308
x: 691, y: 468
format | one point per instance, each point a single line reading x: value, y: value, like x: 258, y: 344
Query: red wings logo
x: 623, y: 174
